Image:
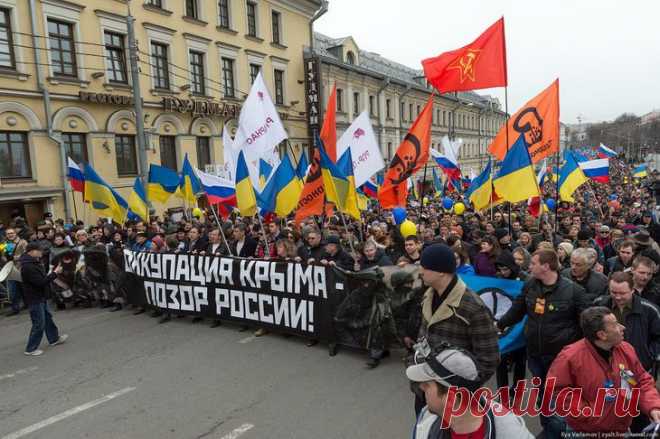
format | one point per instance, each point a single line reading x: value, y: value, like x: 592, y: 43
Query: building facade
x: 66, y: 88
x: 394, y: 95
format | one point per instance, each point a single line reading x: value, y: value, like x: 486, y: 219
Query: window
x: 7, y: 59
x: 75, y: 146
x: 192, y: 9
x: 168, y: 151
x: 279, y: 87
x: 403, y: 111
x: 228, y: 77
x: 444, y: 117
x: 389, y: 150
x: 276, y: 18
x: 14, y: 155
x: 372, y: 106
x: 340, y: 100
x: 197, y: 75
x: 126, y: 155
x: 356, y: 103
x: 252, y: 18
x: 388, y: 109
x: 418, y: 110
x: 410, y: 112
x: 254, y: 72
x: 223, y: 8
x: 350, y: 57
x: 62, y: 50
x: 115, y: 55
x: 203, y: 152
x: 156, y: 3
x: 160, y: 65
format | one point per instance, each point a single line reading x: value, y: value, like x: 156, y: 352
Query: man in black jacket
x: 243, y: 245
x: 36, y: 286
x: 336, y: 255
x: 553, y: 305
x: 583, y: 273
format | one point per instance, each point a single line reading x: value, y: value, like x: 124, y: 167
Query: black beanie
x: 438, y: 257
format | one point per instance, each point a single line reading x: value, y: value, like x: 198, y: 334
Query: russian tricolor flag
x: 449, y: 167
x: 604, y: 152
x: 218, y: 191
x: 370, y: 189
x: 76, y: 176
x: 597, y: 170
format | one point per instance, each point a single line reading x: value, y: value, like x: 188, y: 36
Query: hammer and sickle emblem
x: 466, y: 64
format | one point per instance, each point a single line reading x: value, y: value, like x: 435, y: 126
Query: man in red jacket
x: 605, y: 368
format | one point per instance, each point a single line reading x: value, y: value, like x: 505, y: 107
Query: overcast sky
x: 606, y: 53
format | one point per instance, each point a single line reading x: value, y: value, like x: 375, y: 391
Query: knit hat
x: 567, y: 246
x: 451, y: 367
x: 438, y: 257
x: 333, y: 239
x: 501, y: 233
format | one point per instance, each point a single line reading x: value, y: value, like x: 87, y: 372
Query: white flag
x: 259, y: 127
x: 451, y: 148
x: 229, y: 154
x: 365, y: 152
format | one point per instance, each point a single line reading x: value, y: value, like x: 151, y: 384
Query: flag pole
x: 506, y: 110
x: 421, y: 195
x: 557, y: 194
x: 75, y: 208
x: 263, y: 230
x: 217, y: 220
x: 350, y: 241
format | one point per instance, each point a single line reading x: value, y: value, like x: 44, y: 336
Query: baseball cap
x: 450, y: 367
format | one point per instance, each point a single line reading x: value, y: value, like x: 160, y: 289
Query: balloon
x: 447, y: 203
x: 614, y: 197
x: 399, y: 214
x: 551, y: 203
x: 408, y: 228
x: 459, y: 208
x: 197, y: 212
x: 425, y: 201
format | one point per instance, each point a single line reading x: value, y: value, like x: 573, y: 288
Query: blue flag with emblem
x: 498, y: 295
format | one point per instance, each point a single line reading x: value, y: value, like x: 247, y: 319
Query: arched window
x: 350, y: 57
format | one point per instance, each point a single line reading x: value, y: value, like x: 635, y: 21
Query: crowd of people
x: 590, y: 269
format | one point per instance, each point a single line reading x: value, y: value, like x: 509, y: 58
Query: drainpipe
x: 322, y: 10
x: 47, y: 108
x: 386, y: 82
x: 405, y: 92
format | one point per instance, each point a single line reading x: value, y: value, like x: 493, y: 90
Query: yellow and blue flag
x: 162, y: 183
x: 301, y: 169
x: 246, y: 200
x: 640, y: 171
x: 345, y: 165
x: 571, y: 177
x: 480, y: 192
x: 516, y: 180
x: 265, y: 170
x: 338, y: 188
x: 137, y: 201
x: 189, y: 184
x: 102, y: 197
x: 437, y: 184
x: 282, y: 190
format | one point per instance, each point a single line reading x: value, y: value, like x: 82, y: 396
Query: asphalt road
x: 126, y: 376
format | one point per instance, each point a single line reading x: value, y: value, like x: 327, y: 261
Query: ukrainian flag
x: 102, y: 197
x: 189, y: 184
x: 137, y: 201
x: 301, y: 169
x: 264, y: 172
x: 162, y: 183
x: 282, y: 190
x: 571, y: 177
x: 345, y: 165
x: 338, y: 189
x: 437, y: 184
x: 480, y: 191
x: 516, y: 180
x: 640, y: 171
x: 246, y: 200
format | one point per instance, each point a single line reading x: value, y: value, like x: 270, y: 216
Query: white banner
x: 365, y: 151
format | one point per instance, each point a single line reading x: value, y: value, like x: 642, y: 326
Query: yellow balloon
x: 459, y: 208
x: 408, y: 228
x: 197, y: 212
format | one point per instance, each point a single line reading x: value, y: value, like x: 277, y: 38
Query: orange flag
x: 411, y: 155
x: 480, y: 64
x: 538, y: 121
x: 329, y: 129
x: 312, y: 198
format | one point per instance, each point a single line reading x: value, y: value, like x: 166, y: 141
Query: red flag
x: 411, y: 155
x: 329, y: 129
x: 480, y: 64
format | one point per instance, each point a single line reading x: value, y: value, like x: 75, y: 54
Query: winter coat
x: 483, y: 265
x: 380, y: 260
x: 464, y: 321
x: 558, y: 323
x: 580, y: 366
x: 36, y: 283
x: 642, y: 327
x: 595, y: 284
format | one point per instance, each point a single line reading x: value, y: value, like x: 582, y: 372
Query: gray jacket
x: 595, y: 284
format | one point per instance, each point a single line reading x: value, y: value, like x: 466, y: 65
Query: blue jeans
x: 539, y: 365
x: 42, y: 320
x: 15, y: 289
